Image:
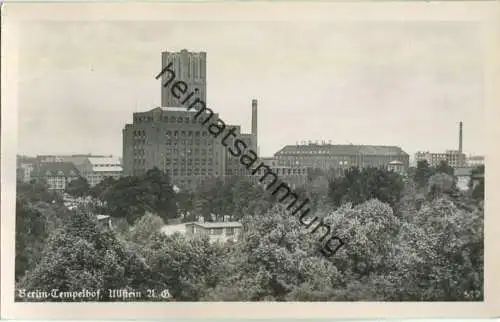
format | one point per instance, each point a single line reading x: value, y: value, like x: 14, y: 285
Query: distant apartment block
x: 94, y: 168
x: 216, y: 231
x: 57, y: 175
x: 330, y: 157
x: 24, y: 172
x: 453, y: 157
x: 475, y: 160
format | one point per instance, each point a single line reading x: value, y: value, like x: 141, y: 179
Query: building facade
x: 454, y: 158
x: 330, y: 157
x: 174, y: 141
x: 216, y: 231
x: 190, y: 67
x: 475, y: 161
x: 173, y: 138
x: 25, y: 171
x: 57, y: 175
x: 96, y: 169
x: 396, y: 166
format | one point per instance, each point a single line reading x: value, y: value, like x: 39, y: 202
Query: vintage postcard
x: 250, y: 160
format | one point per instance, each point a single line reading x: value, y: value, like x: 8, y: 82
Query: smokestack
x: 254, y: 122
x: 460, y: 139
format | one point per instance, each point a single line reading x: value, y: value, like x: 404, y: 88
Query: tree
x: 81, y: 256
x: 422, y: 173
x: 276, y: 259
x: 163, y: 201
x: 477, y: 176
x: 358, y: 186
x: 444, y: 167
x: 99, y: 189
x: 145, y: 228
x: 190, y: 267
x: 130, y: 197
x: 441, y: 255
x: 31, y: 232
x: 38, y: 211
x: 78, y: 187
x: 36, y: 190
x: 439, y: 184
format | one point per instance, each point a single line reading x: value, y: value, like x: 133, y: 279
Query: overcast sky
x: 380, y: 83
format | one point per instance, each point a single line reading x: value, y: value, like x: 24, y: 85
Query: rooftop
x: 104, y: 161
x: 177, y: 109
x: 341, y: 149
x: 66, y: 169
x: 171, y: 229
x: 463, y: 171
x: 224, y: 224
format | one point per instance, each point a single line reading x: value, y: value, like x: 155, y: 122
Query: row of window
x: 285, y: 171
x: 167, y: 119
x: 190, y: 172
x: 189, y: 162
x: 189, y: 142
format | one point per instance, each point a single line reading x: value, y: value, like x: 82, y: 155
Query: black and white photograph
x: 247, y: 160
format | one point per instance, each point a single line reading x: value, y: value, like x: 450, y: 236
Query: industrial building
x: 172, y: 138
x: 454, y: 158
x: 334, y: 157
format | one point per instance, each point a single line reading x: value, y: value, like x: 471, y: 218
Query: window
x: 229, y: 231
x: 180, y: 120
x: 217, y: 231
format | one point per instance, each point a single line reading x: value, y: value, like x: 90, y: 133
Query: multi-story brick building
x: 172, y: 140
x: 330, y: 157
x: 475, y: 160
x: 190, y: 67
x: 453, y: 157
x: 172, y: 137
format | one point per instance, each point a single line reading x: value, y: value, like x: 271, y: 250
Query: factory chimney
x: 460, y: 138
x: 254, y: 123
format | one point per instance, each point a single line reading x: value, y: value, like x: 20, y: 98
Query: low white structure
x: 396, y: 166
x: 172, y: 229
x: 105, y: 221
x: 95, y: 169
x: 216, y: 231
x: 463, y: 177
